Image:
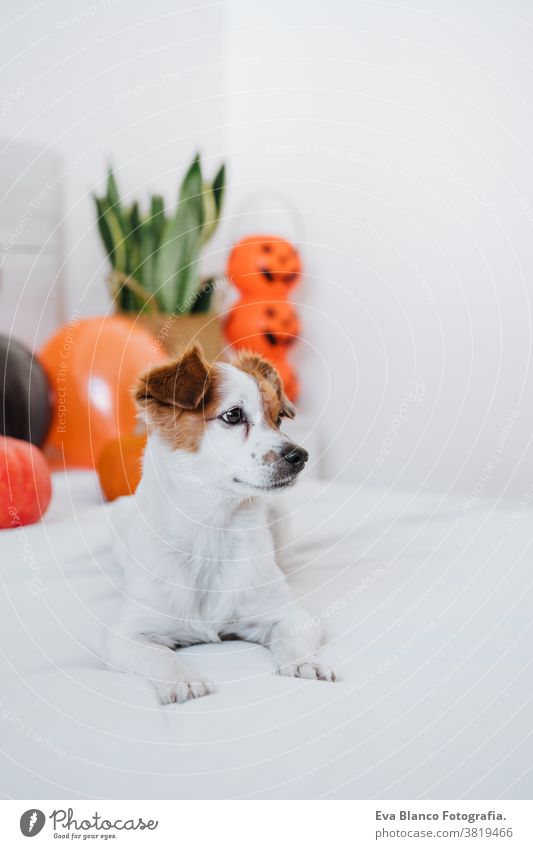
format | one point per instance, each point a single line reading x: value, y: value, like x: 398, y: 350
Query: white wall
x: 134, y: 84
x: 401, y: 132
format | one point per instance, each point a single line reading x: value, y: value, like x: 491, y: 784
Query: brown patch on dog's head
x: 177, y: 398
x: 275, y: 402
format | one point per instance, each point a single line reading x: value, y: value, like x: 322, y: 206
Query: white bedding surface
x: 427, y: 609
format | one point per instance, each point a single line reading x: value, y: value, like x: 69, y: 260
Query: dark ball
x: 25, y: 395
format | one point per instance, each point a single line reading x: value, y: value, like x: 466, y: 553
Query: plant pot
x: 175, y: 332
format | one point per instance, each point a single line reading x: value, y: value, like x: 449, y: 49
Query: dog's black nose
x: 296, y: 456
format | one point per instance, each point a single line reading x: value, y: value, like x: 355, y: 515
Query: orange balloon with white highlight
x: 92, y: 364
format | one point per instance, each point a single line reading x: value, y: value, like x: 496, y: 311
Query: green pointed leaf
x: 103, y: 227
x: 188, y: 277
x: 157, y: 219
x: 116, y: 238
x: 151, y: 236
x: 176, y: 261
x: 213, y: 197
x: 147, y: 254
x: 113, y: 196
x: 210, y: 214
x: 166, y: 264
x: 114, y: 201
x: 114, y: 242
x: 133, y: 243
x: 133, y: 218
x: 219, y: 186
x: 192, y: 184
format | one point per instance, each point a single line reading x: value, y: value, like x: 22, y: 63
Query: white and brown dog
x: 194, y: 542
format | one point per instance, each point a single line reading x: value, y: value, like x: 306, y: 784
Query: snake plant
x: 155, y: 255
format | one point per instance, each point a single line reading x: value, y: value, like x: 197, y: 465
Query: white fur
x: 198, y: 558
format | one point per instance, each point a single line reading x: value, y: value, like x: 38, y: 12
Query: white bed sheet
x: 427, y: 608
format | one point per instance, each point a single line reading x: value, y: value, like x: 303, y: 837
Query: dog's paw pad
x: 313, y: 669
x: 183, y: 691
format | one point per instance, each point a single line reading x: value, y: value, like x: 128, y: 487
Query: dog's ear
x: 262, y: 369
x: 271, y: 374
x: 287, y: 407
x: 181, y: 383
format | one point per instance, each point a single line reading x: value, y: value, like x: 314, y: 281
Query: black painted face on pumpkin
x: 264, y: 266
x: 281, y: 326
x: 267, y: 327
x: 278, y: 262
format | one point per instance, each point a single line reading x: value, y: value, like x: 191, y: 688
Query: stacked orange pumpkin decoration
x: 264, y: 269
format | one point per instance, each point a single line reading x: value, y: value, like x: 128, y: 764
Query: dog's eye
x: 233, y: 416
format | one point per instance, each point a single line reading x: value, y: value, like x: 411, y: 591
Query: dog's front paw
x: 182, y: 690
x: 312, y: 668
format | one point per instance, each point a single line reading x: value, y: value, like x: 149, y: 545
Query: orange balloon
x: 92, y: 365
x: 119, y: 466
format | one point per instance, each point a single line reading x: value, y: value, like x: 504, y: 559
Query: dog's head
x: 227, y: 417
